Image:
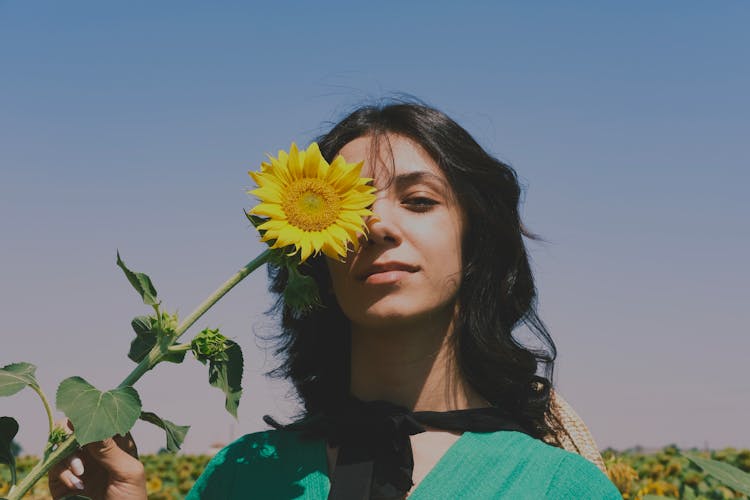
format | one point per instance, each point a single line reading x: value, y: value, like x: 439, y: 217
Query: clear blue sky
x: 131, y: 126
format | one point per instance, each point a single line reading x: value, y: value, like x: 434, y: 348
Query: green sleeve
x: 269, y: 465
x: 577, y: 478
x: 215, y: 479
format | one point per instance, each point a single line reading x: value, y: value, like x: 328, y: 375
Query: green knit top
x: 505, y: 464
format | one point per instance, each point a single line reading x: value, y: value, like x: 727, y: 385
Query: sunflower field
x: 668, y: 473
x: 168, y: 476
x: 665, y: 473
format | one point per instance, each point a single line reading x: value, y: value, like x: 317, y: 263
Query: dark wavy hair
x: 496, y: 295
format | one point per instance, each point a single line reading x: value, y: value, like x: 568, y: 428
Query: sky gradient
x: 131, y: 126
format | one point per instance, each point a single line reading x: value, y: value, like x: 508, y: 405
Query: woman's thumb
x: 117, y: 455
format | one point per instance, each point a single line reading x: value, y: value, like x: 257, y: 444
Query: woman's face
x: 409, y: 269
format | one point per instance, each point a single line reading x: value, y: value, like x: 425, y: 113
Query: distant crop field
x: 667, y: 473
x: 664, y: 472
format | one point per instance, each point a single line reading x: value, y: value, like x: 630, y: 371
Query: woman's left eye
x: 420, y: 203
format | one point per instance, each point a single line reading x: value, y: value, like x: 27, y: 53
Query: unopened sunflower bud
x: 57, y: 436
x: 169, y: 323
x: 209, y: 345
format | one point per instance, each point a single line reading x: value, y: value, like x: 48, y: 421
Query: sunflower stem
x: 158, y: 352
x: 63, y: 450
x: 47, y: 408
x: 179, y: 347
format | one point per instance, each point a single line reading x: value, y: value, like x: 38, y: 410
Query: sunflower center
x: 311, y: 204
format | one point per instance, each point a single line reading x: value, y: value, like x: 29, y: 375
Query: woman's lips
x: 386, y: 277
x: 387, y: 272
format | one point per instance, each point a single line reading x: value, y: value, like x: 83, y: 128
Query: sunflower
x: 661, y: 488
x: 154, y: 484
x: 310, y: 204
x: 622, y: 474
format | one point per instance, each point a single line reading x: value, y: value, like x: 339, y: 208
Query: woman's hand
x: 105, y: 470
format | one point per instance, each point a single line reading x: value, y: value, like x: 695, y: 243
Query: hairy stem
x: 65, y: 449
x: 158, y: 314
x: 157, y: 353
x: 47, y: 407
x: 154, y: 356
x: 179, y: 347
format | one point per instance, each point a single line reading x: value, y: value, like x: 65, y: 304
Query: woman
x: 411, y: 380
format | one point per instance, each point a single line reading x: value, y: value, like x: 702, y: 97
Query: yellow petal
x: 351, y: 217
x: 336, y: 239
x: 267, y: 195
x: 257, y: 177
x: 337, y: 169
x: 268, y: 179
x: 280, y: 171
x: 306, y: 249
x: 273, y: 225
x: 287, y: 236
x: 279, y: 168
x: 333, y: 250
x: 270, y: 235
x: 356, y: 201
x: 314, y: 164
x: 269, y: 210
x: 294, y: 166
x: 347, y: 180
x: 283, y: 158
x: 317, y: 239
x: 351, y: 229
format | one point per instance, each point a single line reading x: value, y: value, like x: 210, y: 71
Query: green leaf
x: 656, y: 497
x: 145, y: 340
x: 687, y: 493
x: 175, y: 357
x: 256, y: 221
x: 140, y: 347
x: 97, y: 415
x: 175, y: 433
x: 301, y: 291
x: 727, y: 474
x: 142, y: 325
x: 15, y: 377
x: 141, y: 282
x: 8, y: 430
x: 226, y: 374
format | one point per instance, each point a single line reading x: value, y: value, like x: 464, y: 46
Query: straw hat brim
x: 571, y: 433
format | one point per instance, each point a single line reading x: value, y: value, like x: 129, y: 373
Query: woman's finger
x: 64, y: 477
x: 119, y: 463
x: 71, y: 480
x: 76, y: 466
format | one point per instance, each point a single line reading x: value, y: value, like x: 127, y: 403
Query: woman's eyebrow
x: 420, y: 176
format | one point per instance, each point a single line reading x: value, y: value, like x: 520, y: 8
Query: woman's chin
x: 382, y: 319
x: 397, y: 318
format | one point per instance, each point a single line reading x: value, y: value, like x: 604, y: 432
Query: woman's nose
x: 382, y: 226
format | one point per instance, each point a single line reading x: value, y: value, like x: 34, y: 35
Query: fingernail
x: 76, y: 466
x: 77, y: 482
